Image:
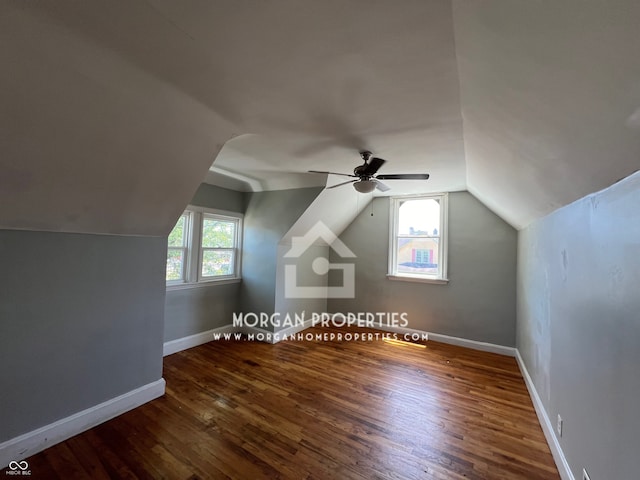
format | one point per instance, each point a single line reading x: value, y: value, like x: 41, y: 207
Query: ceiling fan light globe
x: 364, y: 186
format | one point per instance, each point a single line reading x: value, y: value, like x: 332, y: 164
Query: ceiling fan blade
x: 381, y: 186
x: 373, y: 166
x: 404, y: 176
x: 331, y: 173
x: 340, y: 184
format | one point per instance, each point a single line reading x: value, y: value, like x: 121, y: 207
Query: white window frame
x: 394, y: 216
x: 236, y: 250
x: 193, y: 277
x: 186, y: 248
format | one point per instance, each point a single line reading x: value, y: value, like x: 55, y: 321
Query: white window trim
x: 193, y: 276
x: 442, y: 251
x: 237, y: 249
x: 207, y: 283
x: 188, y: 248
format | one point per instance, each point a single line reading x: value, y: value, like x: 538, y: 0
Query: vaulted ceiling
x: 112, y: 111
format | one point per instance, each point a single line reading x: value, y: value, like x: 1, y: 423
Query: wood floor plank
x: 308, y: 410
x: 88, y: 458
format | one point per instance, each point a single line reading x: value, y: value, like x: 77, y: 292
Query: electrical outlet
x: 559, y: 426
x: 585, y: 475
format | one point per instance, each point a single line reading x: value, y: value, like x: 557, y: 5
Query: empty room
x: 320, y: 239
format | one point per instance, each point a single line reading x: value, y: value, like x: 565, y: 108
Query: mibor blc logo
x: 18, y: 468
x: 320, y: 266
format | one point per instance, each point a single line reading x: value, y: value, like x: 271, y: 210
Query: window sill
x: 206, y: 283
x: 411, y: 278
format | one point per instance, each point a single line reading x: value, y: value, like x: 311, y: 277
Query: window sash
x: 233, y: 252
x: 396, y: 202
x: 234, y: 264
x: 221, y: 219
x: 183, y: 264
x: 417, y: 235
x: 185, y: 231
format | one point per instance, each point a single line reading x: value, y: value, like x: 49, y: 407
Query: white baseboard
x: 474, y: 344
x: 460, y: 342
x: 401, y: 330
x: 35, y: 441
x: 293, y: 329
x: 175, y: 346
x: 436, y: 337
x: 258, y: 334
x: 274, y: 337
x: 545, y: 423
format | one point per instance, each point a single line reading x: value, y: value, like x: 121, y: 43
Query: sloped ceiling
x: 91, y: 138
x: 549, y: 90
x: 311, y: 83
x: 112, y: 111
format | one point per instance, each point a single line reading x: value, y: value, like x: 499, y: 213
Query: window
x: 422, y: 256
x: 219, y: 240
x: 204, y: 247
x: 418, y: 238
x: 177, y: 251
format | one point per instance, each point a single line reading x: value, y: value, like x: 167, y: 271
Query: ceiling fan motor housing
x: 359, y: 170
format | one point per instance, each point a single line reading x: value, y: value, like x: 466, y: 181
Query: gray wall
x: 268, y: 216
x: 478, y: 303
x: 212, y: 196
x: 305, y: 277
x: 81, y: 321
x: 194, y: 310
x: 579, y: 326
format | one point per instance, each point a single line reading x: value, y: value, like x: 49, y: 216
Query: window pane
x: 218, y: 233
x: 418, y: 255
x: 177, y: 235
x: 217, y: 262
x: 175, y: 264
x: 419, y: 217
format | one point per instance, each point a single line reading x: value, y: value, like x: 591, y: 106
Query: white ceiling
x: 548, y: 92
x: 113, y: 110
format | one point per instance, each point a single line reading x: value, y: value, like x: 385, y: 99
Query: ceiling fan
x: 366, y: 180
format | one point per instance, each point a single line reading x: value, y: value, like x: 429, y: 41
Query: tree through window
x: 204, y: 246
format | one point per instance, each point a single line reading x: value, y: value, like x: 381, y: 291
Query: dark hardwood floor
x: 319, y: 410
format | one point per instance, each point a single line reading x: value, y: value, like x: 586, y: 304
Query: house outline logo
x: 320, y: 266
